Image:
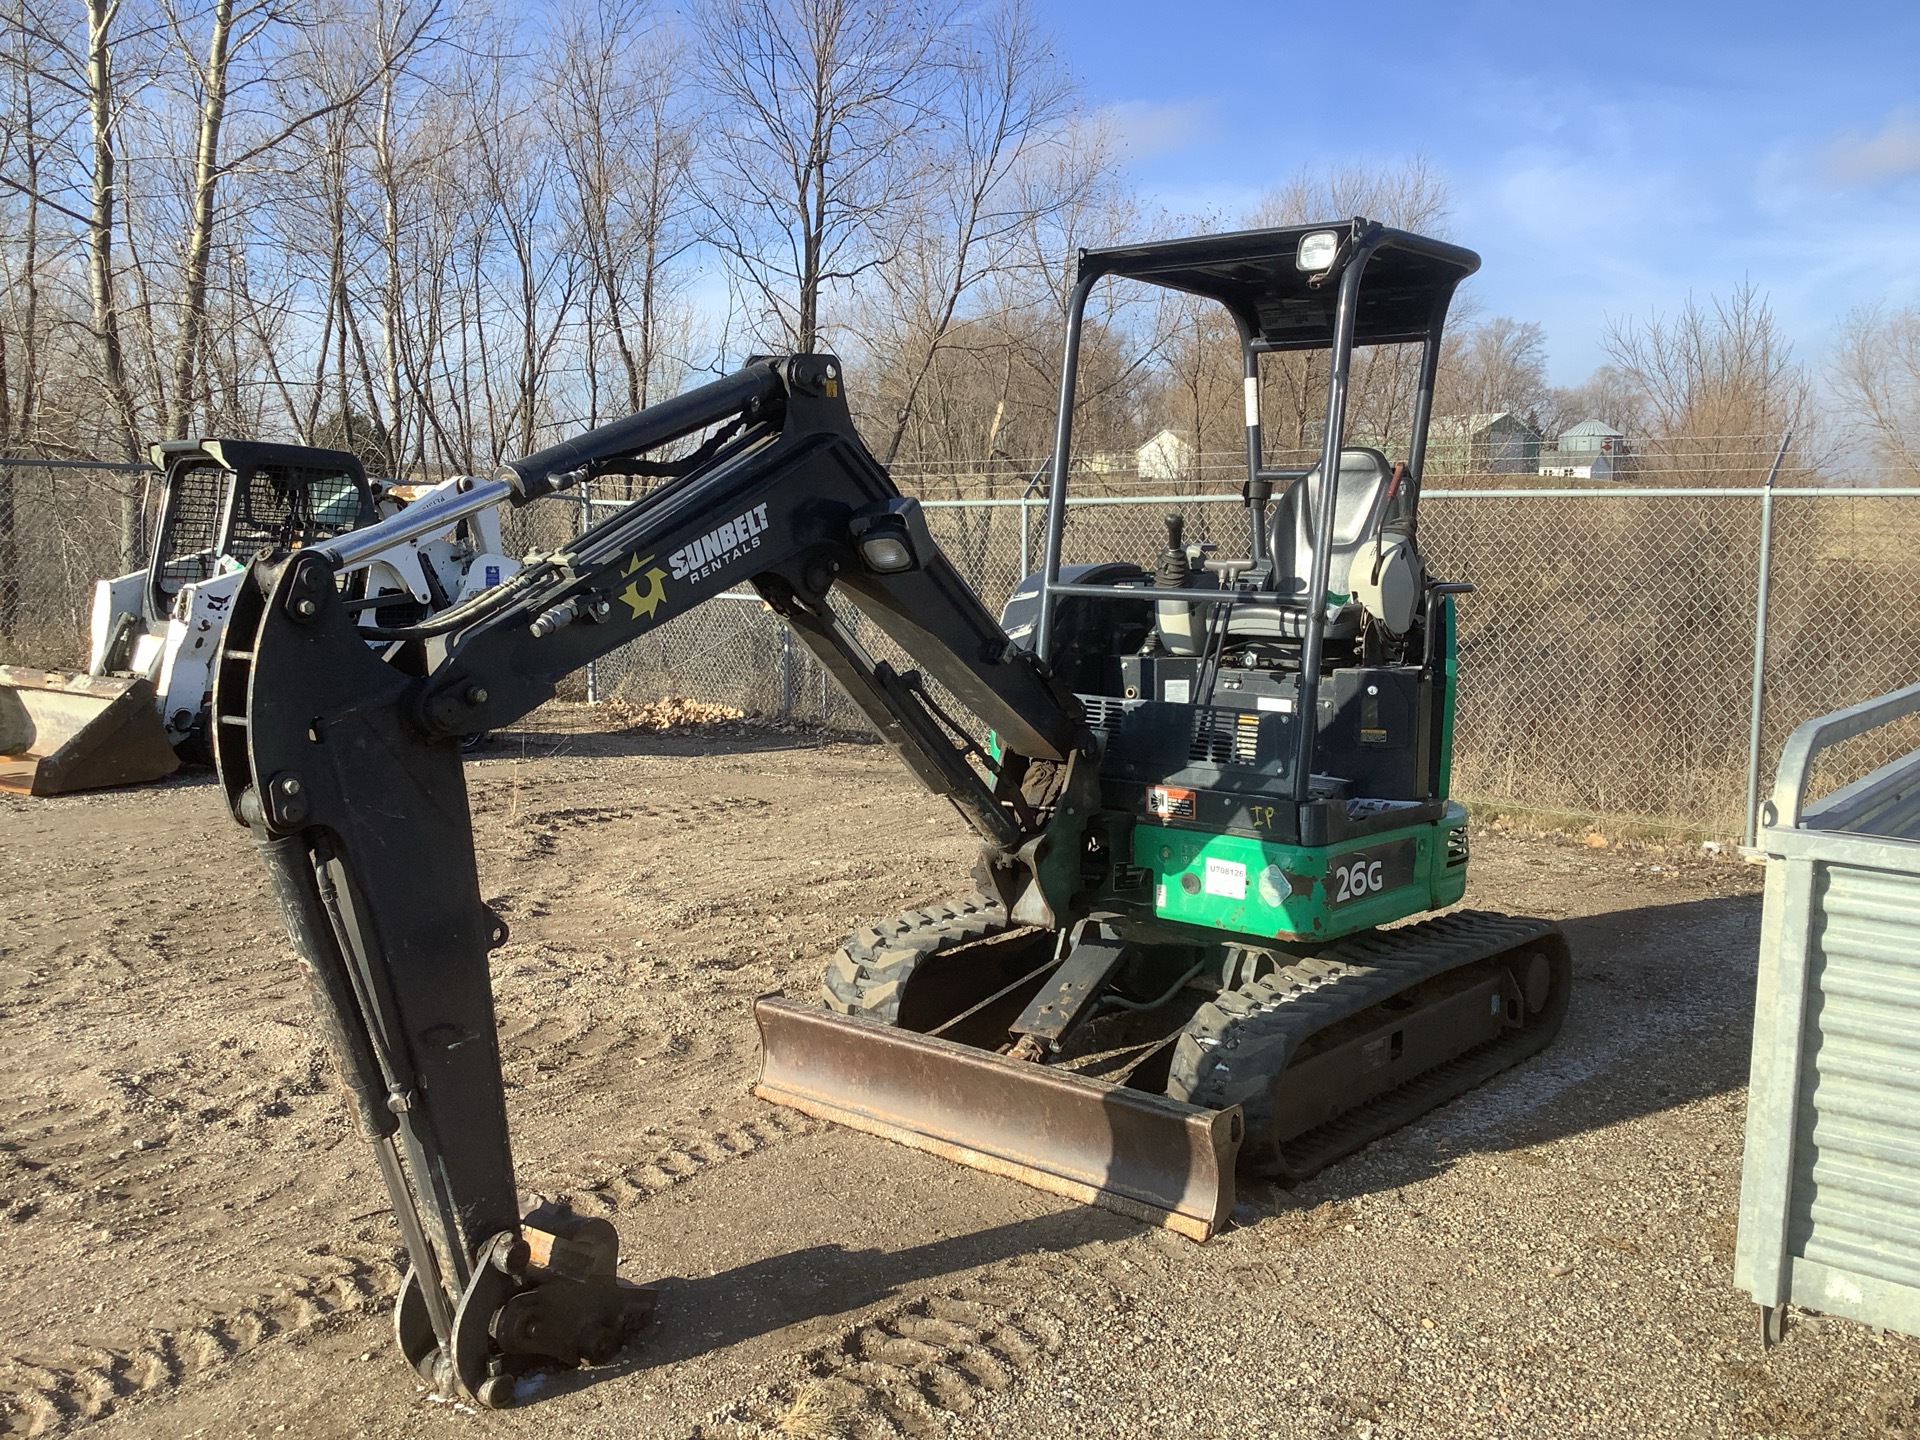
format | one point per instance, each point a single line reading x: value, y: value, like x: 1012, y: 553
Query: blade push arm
x: 343, y: 762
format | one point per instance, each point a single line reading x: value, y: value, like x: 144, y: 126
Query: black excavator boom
x: 346, y: 766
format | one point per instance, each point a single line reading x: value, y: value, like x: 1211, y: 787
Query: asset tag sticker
x: 1226, y: 878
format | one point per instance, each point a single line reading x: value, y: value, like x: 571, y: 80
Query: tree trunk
x: 200, y: 208
x: 100, y: 269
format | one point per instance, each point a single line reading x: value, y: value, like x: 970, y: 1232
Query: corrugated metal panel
x: 1830, y: 1184
x: 1856, y: 1173
x: 1898, y: 817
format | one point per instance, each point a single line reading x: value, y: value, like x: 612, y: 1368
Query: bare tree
x: 1721, y: 385
x: 1876, y: 379
x: 1008, y: 152
x: 1409, y: 196
x: 266, y: 38
x: 1609, y: 395
x: 624, y: 129
x: 1496, y: 366
x: 103, y: 117
x: 824, y: 110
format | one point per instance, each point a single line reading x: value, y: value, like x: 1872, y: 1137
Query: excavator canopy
x: 1280, y: 284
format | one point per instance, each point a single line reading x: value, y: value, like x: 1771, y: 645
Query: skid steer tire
x: 869, y: 975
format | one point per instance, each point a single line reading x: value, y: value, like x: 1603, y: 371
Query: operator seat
x: 1359, y: 497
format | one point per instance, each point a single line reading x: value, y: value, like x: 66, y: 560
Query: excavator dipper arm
x: 345, y: 764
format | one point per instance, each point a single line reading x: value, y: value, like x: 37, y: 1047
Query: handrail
x: 1270, y: 599
x: 1786, y: 808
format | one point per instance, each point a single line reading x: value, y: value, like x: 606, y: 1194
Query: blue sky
x: 1605, y: 160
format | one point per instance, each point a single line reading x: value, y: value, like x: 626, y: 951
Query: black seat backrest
x: 1358, y: 497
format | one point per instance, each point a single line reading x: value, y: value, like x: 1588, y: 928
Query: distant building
x: 1591, y: 450
x: 1166, y: 456
x: 1493, y: 444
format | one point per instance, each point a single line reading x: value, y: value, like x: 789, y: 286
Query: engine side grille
x: 1225, y: 737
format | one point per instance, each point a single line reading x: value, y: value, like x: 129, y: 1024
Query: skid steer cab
x: 142, y: 705
x: 1209, y: 782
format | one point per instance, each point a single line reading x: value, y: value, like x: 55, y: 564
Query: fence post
x: 1025, y: 568
x: 786, y: 671
x: 586, y: 524
x: 1763, y: 583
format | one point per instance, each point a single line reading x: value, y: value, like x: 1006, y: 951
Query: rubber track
x: 1237, y: 1044
x: 870, y: 973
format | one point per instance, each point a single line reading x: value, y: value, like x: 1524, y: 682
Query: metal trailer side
x: 1830, y: 1188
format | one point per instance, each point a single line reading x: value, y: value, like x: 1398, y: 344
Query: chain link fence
x: 63, y: 525
x: 1607, y: 654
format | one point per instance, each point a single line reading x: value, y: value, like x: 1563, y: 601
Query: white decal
x: 1226, y: 878
x: 719, y: 548
x: 1175, y: 692
x: 1362, y: 877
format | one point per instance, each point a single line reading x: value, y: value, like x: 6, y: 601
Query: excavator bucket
x: 60, y: 733
x: 1130, y: 1151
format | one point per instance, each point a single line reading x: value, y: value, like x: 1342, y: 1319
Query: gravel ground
x: 193, y: 1243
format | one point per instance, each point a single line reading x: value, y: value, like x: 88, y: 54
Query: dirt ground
x: 192, y: 1242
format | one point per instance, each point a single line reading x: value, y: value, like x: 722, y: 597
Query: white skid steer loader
x: 140, y: 708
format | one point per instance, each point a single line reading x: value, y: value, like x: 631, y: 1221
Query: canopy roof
x: 1403, y: 294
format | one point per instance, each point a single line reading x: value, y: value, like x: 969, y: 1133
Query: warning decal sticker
x: 1170, y: 803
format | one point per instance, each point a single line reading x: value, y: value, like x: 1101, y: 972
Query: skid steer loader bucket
x: 60, y: 733
x: 1136, y: 1153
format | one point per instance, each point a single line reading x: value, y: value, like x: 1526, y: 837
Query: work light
x: 1317, y: 250
x: 886, y: 551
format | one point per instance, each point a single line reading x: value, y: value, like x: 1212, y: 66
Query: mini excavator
x: 1209, y: 793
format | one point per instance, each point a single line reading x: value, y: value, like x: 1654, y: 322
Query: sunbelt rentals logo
x: 717, y: 549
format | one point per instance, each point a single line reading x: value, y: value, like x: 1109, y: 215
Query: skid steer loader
x: 1211, y: 789
x: 141, y: 706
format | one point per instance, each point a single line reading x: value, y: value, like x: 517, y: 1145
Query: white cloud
x: 1891, y: 154
x: 1154, y: 127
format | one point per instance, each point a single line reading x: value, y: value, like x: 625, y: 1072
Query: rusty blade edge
x: 1194, y: 1227
x: 1188, y: 1153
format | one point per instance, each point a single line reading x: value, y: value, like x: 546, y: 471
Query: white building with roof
x: 1167, y: 455
x: 1591, y: 450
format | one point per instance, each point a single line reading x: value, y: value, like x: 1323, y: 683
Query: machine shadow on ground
x: 704, y: 1314
x: 1661, y: 1018
x: 1645, y: 1035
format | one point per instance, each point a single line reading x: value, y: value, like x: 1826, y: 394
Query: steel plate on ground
x: 1141, y: 1155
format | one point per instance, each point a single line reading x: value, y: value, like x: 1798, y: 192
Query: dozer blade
x: 1142, y: 1155
x: 60, y: 733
